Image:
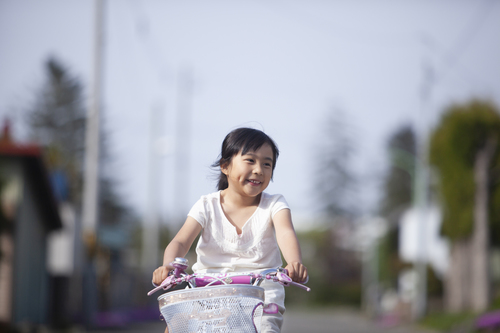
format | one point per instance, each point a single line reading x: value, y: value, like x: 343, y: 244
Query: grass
x: 444, y: 322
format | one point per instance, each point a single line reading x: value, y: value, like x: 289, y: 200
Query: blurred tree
x: 465, y: 150
x: 335, y: 181
x: 334, y: 273
x: 398, y: 183
x: 336, y: 267
x: 57, y: 121
x: 396, y: 199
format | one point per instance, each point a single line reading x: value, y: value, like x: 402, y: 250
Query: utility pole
x: 151, y: 230
x: 183, y: 140
x: 91, y: 173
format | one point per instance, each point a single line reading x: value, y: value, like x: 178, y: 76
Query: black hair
x: 242, y: 140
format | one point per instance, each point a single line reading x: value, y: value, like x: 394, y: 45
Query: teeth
x: 254, y: 181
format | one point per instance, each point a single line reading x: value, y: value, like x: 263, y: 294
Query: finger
x: 164, y: 273
x: 304, y: 275
x: 159, y: 275
x: 298, y: 272
x: 292, y: 271
x: 156, y: 277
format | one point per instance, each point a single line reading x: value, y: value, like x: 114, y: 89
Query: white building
x: 419, y: 238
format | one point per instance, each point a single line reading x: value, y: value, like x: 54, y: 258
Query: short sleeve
x: 278, y: 205
x: 198, y: 212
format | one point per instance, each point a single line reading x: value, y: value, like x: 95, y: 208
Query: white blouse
x: 221, y: 249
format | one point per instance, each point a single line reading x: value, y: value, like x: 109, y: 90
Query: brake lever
x: 285, y: 280
x: 306, y: 288
x: 168, y: 283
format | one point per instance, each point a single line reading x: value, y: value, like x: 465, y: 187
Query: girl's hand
x: 297, y: 271
x: 160, y: 274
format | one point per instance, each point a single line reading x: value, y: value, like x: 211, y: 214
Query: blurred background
x: 386, y: 115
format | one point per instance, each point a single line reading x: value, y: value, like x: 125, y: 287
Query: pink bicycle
x: 217, y: 303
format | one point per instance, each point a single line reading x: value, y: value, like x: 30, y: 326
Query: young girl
x: 242, y: 226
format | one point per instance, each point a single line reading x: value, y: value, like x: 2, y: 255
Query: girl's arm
x: 289, y: 245
x: 178, y: 247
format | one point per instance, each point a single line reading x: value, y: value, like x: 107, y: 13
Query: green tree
x: 465, y: 151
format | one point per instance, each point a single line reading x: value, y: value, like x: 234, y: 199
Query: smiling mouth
x: 254, y: 182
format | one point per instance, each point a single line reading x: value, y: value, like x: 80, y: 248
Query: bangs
x: 255, y: 144
x: 253, y: 141
x: 245, y: 140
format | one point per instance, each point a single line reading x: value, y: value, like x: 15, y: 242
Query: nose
x: 257, y: 169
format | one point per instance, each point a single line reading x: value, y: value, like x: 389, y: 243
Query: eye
x: 249, y: 160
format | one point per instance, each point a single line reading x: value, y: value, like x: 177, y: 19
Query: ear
x: 224, y: 168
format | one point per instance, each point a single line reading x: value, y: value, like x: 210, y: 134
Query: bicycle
x: 217, y: 303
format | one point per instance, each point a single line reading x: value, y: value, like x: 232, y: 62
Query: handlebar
x: 281, y: 276
x: 178, y: 275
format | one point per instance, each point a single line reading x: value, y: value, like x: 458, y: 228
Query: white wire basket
x: 214, y: 309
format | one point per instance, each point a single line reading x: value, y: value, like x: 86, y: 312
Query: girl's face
x: 250, y: 174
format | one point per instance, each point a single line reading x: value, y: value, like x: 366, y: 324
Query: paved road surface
x: 325, y: 321
x: 339, y: 321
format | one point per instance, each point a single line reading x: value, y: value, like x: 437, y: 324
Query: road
x: 339, y: 321
x: 324, y: 321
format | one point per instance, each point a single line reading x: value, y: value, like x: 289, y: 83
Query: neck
x: 237, y: 200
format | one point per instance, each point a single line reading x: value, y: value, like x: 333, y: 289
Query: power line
x: 451, y: 57
x: 353, y: 35
x: 469, y: 33
x: 151, y: 48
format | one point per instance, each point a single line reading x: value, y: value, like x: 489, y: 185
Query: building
x: 28, y: 214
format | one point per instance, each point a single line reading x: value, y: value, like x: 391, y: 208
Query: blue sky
x: 280, y: 66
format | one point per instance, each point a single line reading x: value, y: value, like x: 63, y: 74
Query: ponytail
x: 222, y: 183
